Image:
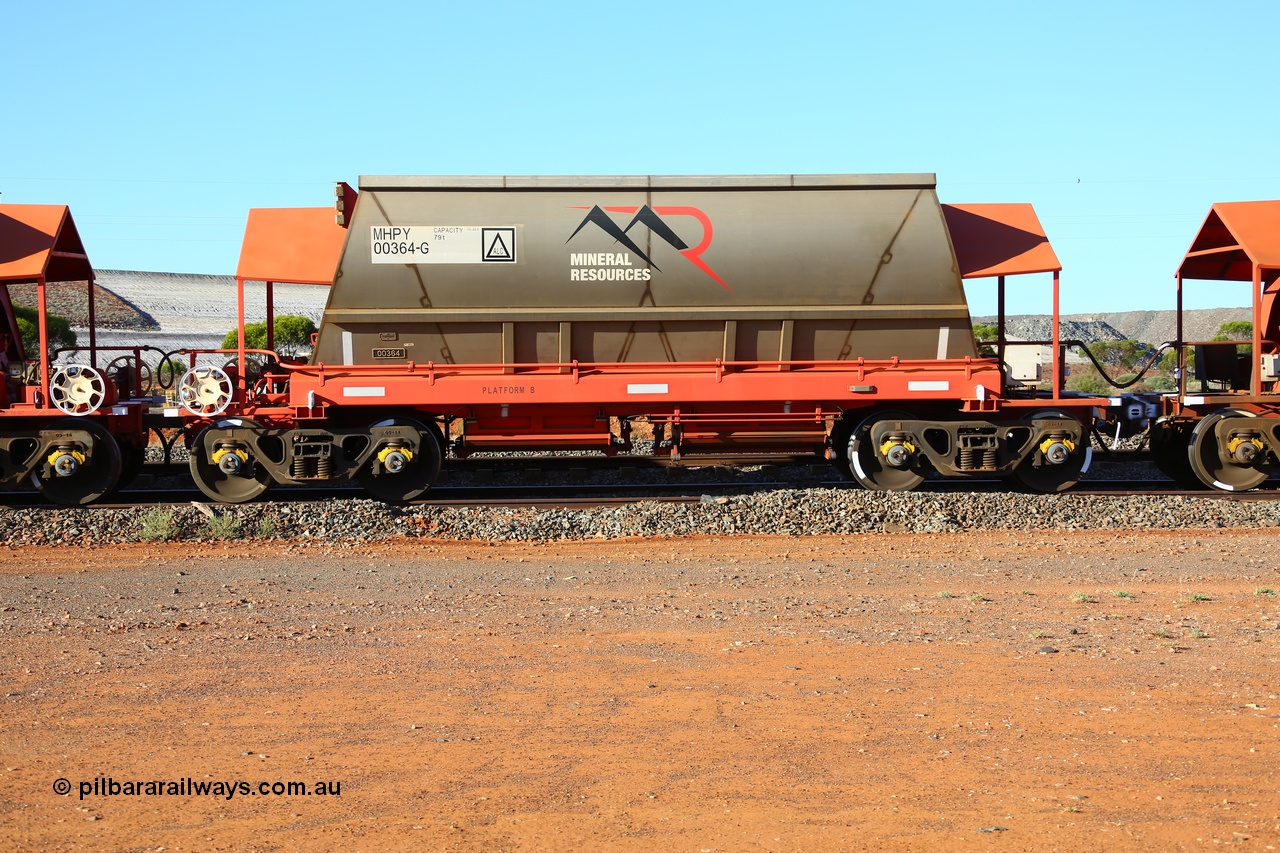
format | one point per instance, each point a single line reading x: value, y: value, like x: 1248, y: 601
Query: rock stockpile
x: 1150, y: 327
x: 70, y: 299
x: 1036, y: 327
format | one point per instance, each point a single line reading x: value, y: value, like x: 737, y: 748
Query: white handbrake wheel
x: 205, y: 391
x: 77, y: 389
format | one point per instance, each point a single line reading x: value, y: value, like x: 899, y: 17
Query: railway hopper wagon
x: 1221, y: 428
x: 789, y: 313
x: 74, y: 431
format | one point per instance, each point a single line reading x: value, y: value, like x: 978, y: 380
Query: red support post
x: 1000, y: 337
x: 1255, y: 369
x: 93, y: 326
x: 42, y: 307
x: 1057, y: 349
x: 240, y: 362
x: 271, y: 318
x: 1182, y: 360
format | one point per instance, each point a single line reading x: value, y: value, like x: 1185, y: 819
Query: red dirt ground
x: 886, y: 692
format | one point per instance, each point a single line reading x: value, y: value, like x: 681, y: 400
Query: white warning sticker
x: 444, y: 244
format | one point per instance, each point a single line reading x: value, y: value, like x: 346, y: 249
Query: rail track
x: 592, y: 495
x: 558, y: 481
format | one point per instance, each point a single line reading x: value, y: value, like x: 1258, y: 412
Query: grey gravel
x: 804, y: 502
x: 783, y: 511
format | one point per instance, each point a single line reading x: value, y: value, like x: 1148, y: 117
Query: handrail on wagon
x: 718, y: 367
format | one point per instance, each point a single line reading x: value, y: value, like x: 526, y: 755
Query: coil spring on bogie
x: 312, y: 467
x: 979, y: 450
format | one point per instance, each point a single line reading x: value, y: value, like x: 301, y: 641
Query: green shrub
x: 223, y: 527
x: 1235, y: 330
x: 292, y: 338
x: 1088, y: 384
x: 1121, y: 353
x: 59, y: 328
x: 982, y: 333
x: 169, y: 371
x: 1169, y: 361
x: 158, y: 525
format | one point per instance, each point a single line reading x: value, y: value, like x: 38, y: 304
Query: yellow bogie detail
x: 75, y: 454
x: 1050, y: 442
x: 890, y: 444
x: 223, y: 451
x: 1234, y: 444
x: 387, y: 451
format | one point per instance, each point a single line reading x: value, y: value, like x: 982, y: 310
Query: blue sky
x: 161, y: 124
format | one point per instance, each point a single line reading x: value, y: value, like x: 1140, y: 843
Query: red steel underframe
x: 709, y: 391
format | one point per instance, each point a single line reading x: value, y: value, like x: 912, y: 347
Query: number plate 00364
x: 389, y: 353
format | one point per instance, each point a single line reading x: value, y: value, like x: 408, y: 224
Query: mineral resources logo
x: 619, y: 266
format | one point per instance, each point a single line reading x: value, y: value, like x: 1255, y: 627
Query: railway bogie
x: 1045, y: 451
x: 234, y: 460
x: 70, y: 461
x: 1233, y: 449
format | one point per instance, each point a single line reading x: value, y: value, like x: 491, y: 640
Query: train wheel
x: 225, y: 469
x: 1169, y: 442
x: 875, y: 468
x: 132, y: 459
x: 397, y: 473
x: 80, y: 478
x: 1238, y: 466
x: 1061, y: 460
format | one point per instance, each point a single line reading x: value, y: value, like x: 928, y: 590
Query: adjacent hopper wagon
x: 71, y: 430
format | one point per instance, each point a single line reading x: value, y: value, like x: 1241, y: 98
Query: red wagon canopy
x: 40, y: 241
x: 1235, y: 237
x: 295, y: 245
x: 999, y: 239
